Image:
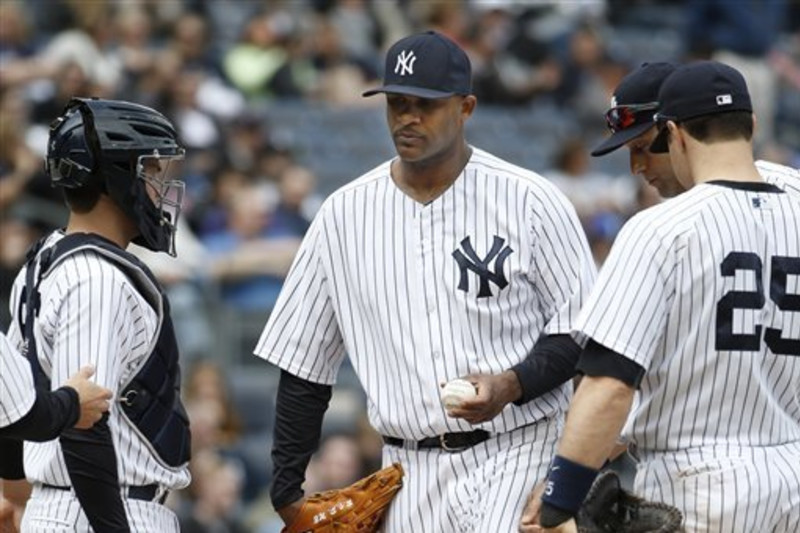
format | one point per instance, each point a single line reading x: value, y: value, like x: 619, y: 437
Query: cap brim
x: 621, y: 137
x: 411, y: 91
x: 660, y: 144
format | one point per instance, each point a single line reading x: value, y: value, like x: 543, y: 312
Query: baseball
x: 455, y: 391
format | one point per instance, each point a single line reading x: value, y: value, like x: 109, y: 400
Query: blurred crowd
x: 261, y: 90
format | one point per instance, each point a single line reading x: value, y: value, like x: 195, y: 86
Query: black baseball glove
x: 609, y: 508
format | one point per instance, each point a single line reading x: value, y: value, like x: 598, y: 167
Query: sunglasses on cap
x: 622, y: 117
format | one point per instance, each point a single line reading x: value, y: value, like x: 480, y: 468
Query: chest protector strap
x: 150, y: 399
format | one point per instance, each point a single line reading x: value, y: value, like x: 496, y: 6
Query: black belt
x: 451, y: 442
x: 135, y: 492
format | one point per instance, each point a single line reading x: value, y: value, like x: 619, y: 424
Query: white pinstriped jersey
x: 702, y: 291
x: 91, y: 314
x: 786, y: 178
x: 17, y: 392
x: 420, y: 294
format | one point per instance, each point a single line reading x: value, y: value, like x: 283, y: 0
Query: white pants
x: 727, y: 488
x: 480, y: 490
x: 58, y: 511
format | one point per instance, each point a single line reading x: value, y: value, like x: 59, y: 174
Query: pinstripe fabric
x: 56, y: 511
x: 17, y: 392
x: 718, y: 419
x: 378, y: 278
x: 92, y: 314
x: 786, y: 178
x: 481, y: 490
x: 375, y: 278
x: 727, y: 489
x: 668, y: 260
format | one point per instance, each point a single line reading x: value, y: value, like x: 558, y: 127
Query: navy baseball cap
x: 698, y: 89
x: 427, y: 65
x: 633, y: 105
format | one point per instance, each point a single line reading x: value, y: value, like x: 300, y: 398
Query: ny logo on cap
x: 405, y: 63
x: 724, y: 99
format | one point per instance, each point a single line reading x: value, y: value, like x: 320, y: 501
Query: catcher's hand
x: 357, y: 507
x: 608, y: 507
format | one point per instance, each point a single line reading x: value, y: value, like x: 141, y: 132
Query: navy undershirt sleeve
x: 299, y: 409
x: 52, y: 412
x: 599, y: 361
x: 550, y: 363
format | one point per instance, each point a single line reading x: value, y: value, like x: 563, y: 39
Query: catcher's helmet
x: 123, y: 145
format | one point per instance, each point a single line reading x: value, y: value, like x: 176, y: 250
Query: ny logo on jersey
x: 469, y: 260
x: 405, y: 63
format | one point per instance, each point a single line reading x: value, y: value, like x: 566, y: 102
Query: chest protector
x: 150, y: 399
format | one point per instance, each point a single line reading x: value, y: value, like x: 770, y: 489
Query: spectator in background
x: 212, y: 215
x: 218, y: 426
x: 69, y: 79
x: 358, y: 29
x: 217, y: 504
x: 19, y: 165
x: 190, y: 44
x: 273, y: 161
x: 246, y: 140
x: 207, y: 382
x: 512, y: 67
x: 14, y: 34
x: 742, y: 35
x: 583, y: 88
x: 290, y: 218
x: 252, y: 63
x: 590, y: 192
x: 338, y: 463
x: 340, y: 75
x: 249, y: 265
x: 601, y: 230
x: 197, y: 128
x: 89, y: 45
x: 134, y: 50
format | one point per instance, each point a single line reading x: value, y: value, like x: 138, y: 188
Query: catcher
x: 358, y: 507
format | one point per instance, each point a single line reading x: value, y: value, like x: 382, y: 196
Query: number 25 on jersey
x: 782, y: 268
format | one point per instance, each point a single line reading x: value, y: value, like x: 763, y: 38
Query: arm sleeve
x: 302, y: 335
x: 563, y: 270
x: 51, y: 414
x: 17, y: 391
x: 629, y: 307
x: 92, y: 466
x: 550, y: 363
x: 599, y: 361
x: 11, y: 466
x: 299, y: 409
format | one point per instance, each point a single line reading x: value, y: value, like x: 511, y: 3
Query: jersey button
x: 436, y: 355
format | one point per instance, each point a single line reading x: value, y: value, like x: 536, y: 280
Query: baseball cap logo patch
x: 405, y: 63
x: 443, y: 72
x: 724, y: 99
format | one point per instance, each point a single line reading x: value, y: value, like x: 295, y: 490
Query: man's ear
x: 675, y: 136
x: 468, y: 104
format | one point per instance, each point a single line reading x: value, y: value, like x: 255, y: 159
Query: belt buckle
x: 445, y: 447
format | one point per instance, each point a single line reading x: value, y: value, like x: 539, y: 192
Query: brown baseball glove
x: 357, y: 507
